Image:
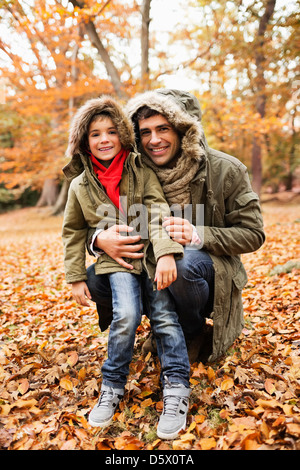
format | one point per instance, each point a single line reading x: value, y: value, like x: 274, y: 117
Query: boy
x: 104, y: 168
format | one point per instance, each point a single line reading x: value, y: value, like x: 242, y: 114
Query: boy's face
x: 103, y: 139
x: 159, y: 139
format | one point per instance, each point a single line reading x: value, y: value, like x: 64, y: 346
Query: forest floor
x: 51, y: 352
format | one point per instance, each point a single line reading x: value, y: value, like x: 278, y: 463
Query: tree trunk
x: 145, y: 12
x: 60, y: 203
x: 110, y: 68
x: 112, y: 71
x: 49, y: 193
x: 261, y: 99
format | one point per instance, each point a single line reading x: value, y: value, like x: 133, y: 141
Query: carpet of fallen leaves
x: 51, y: 352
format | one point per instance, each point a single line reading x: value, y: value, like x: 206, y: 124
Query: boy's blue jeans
x: 129, y: 292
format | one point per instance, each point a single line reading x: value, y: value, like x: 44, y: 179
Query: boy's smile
x: 104, y: 140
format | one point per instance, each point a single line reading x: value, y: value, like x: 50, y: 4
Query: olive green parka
x: 232, y: 222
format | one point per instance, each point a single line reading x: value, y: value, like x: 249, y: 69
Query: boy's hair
x: 102, y: 114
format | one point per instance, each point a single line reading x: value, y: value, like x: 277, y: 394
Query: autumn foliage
x: 241, y: 57
x: 51, y: 351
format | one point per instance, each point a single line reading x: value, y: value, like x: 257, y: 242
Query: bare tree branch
x: 97, y: 43
x: 145, y: 12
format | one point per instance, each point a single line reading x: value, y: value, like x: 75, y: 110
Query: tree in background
x: 67, y: 57
x: 55, y: 54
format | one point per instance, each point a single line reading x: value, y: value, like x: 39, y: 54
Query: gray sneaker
x: 176, y: 405
x: 102, y: 414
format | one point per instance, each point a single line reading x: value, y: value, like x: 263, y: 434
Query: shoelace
x: 105, y: 398
x: 170, y: 405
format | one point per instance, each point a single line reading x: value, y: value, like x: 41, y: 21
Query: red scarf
x: 110, y: 177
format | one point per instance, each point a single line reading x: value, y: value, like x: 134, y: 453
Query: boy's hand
x: 81, y: 292
x: 118, y: 246
x: 166, y: 271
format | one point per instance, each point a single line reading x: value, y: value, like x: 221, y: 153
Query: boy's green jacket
x: 89, y: 208
x: 232, y: 222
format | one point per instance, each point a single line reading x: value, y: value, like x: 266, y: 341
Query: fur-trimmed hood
x: 77, y: 146
x: 182, y: 110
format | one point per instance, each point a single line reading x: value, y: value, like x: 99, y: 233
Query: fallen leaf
x: 24, y: 386
x: 207, y: 443
x: 227, y: 384
x: 66, y: 384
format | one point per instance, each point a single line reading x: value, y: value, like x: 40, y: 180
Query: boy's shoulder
x: 78, y: 180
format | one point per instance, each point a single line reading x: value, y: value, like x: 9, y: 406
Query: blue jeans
x: 128, y: 293
x: 193, y: 290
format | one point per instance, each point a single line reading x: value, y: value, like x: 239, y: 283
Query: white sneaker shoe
x: 176, y: 405
x: 102, y: 414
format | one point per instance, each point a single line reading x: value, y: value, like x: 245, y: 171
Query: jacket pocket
x: 244, y: 199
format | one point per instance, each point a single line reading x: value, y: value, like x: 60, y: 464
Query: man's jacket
x: 232, y: 222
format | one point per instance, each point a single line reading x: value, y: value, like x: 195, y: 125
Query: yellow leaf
x: 207, y: 443
x: 82, y: 374
x: 192, y: 426
x: 24, y: 403
x: 250, y: 444
x: 227, y: 384
x: 199, y: 419
x: 148, y: 356
x: 66, y: 384
x: 187, y: 437
x: 4, y: 409
x: 194, y: 382
x: 268, y: 403
x: 210, y: 373
x: 147, y: 402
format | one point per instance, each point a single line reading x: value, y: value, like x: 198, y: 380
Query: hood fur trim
x: 76, y: 150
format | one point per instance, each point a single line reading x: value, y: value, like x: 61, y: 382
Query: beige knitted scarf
x: 176, y: 181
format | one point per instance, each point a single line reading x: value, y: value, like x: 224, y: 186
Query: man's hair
x: 142, y: 113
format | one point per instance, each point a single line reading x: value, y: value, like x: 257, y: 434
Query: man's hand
x: 166, y: 271
x: 180, y: 230
x: 118, y: 246
x: 81, y: 292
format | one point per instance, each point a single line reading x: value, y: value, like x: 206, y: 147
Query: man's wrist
x: 196, y: 240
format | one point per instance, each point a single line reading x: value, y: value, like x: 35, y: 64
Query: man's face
x: 159, y: 140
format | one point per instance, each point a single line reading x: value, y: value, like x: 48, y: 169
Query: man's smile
x: 158, y: 149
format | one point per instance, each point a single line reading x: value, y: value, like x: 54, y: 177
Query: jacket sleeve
x: 157, y: 208
x: 240, y: 229
x: 74, y: 233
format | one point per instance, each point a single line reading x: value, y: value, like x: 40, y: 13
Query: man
x: 210, y: 277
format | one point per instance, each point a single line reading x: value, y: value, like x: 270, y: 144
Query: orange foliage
x: 51, y: 351
x: 47, y: 78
